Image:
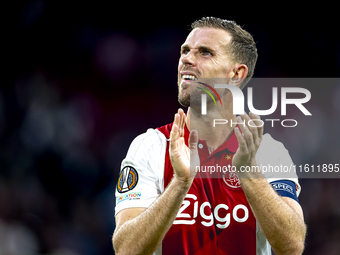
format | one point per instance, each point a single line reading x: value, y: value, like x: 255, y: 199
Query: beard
x: 190, y: 96
x: 187, y: 95
x: 183, y: 94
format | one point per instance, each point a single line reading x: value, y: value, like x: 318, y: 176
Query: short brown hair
x: 243, y: 48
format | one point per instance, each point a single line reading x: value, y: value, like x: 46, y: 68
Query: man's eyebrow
x: 185, y: 46
x: 201, y: 47
x: 205, y: 48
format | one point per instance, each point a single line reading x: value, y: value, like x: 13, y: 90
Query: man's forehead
x: 212, y: 37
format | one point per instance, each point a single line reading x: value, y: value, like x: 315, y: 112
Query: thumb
x: 193, y: 140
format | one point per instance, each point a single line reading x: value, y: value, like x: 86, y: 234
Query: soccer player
x: 162, y: 208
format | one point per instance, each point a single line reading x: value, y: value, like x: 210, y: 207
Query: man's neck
x: 204, y: 124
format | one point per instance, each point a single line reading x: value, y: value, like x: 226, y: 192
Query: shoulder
x: 268, y: 140
x: 147, y: 153
x: 272, y: 149
x: 147, y: 142
x: 275, y: 161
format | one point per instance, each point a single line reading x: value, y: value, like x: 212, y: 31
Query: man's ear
x: 240, y: 73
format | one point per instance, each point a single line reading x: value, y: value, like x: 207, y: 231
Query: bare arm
x: 280, y: 218
x: 140, y: 230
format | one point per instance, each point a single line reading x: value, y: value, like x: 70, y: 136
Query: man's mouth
x: 189, y: 77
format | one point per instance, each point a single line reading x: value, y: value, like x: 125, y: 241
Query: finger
x: 241, y: 141
x: 177, y: 120
x: 257, y: 135
x: 180, y: 111
x: 182, y: 121
x: 176, y: 123
x: 251, y: 126
x: 174, y: 134
x: 257, y: 119
x: 193, y: 140
x: 247, y: 134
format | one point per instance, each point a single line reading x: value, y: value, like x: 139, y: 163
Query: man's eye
x: 206, y: 52
x: 185, y: 51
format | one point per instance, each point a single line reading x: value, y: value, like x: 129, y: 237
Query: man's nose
x: 189, y: 59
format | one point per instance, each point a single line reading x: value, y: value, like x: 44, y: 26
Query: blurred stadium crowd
x: 80, y: 83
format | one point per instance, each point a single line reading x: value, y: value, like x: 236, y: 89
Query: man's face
x: 203, y: 55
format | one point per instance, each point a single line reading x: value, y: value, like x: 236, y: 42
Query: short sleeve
x: 141, y: 176
x: 275, y: 162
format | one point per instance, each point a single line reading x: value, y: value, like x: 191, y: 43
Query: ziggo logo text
x: 222, y: 222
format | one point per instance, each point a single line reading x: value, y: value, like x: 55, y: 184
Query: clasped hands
x: 185, y: 159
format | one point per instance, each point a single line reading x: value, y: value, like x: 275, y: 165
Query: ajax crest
x: 230, y: 178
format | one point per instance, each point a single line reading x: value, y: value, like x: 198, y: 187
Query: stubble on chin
x: 183, y: 95
x: 188, y: 98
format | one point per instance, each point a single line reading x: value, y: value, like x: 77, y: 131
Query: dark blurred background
x: 81, y: 79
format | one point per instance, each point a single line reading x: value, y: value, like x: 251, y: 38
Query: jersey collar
x: 231, y: 144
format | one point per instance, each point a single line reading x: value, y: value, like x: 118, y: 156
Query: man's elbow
x: 298, y: 244
x: 117, y: 247
x: 296, y: 247
x: 121, y: 247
